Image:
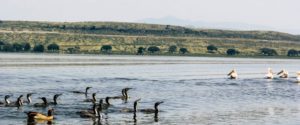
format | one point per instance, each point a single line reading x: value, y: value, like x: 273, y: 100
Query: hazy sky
x: 279, y: 14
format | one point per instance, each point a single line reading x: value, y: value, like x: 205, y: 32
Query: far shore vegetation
x: 142, y: 39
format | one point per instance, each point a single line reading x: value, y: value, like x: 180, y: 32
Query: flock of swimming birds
x: 94, y: 112
x: 103, y: 104
x: 270, y: 74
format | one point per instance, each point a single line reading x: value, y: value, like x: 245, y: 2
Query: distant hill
x: 204, y: 24
x: 126, y: 37
x: 213, y: 25
x: 116, y: 28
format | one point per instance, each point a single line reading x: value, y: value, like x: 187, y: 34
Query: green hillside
x: 126, y: 38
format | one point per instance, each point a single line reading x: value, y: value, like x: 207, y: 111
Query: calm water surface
x: 194, y: 89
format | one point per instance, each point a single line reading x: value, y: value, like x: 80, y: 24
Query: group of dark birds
x: 95, y: 112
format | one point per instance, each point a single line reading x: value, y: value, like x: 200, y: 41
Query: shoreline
x: 56, y: 59
x: 156, y: 55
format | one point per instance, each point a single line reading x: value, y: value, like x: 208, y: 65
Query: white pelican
x: 269, y: 75
x: 233, y: 74
x: 283, y: 74
x: 298, y: 77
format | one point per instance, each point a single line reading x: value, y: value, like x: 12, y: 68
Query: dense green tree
x: 292, y: 52
x: 17, y: 47
x: 1, y: 45
x: 26, y: 46
x: 53, y: 47
x: 7, y: 48
x: 63, y: 27
x: 140, y: 51
x: 38, y: 48
x: 183, y: 50
x: 153, y: 49
x: 172, y: 49
x: 212, y: 48
x: 93, y: 28
x: 106, y: 48
x: 232, y: 52
x: 268, y: 52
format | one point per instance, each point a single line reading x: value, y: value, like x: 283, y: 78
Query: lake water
x: 195, y: 90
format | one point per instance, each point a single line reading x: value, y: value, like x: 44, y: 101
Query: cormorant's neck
x: 99, y: 110
x: 134, y: 106
x: 123, y: 91
x: 20, y: 103
x: 126, y: 94
x: 94, y: 99
x: 156, y: 109
x: 50, y: 113
x: 7, y: 101
x: 55, y: 100
x: 100, y: 107
x: 86, y: 91
x: 29, y: 99
x: 107, y: 101
x: 45, y: 101
x: 96, y: 111
x: 155, y: 112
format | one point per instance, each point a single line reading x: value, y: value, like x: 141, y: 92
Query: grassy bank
x: 126, y: 38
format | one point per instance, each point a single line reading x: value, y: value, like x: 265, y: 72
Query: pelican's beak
x: 138, y: 100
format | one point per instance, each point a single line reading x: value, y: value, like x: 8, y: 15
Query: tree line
x: 150, y: 50
x: 107, y: 49
x: 27, y: 47
x: 262, y: 51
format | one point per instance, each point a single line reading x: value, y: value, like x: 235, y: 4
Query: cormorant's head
x: 6, y: 97
x: 57, y: 95
x: 94, y: 94
x: 107, y: 100
x: 158, y: 103
x: 44, y: 99
x: 126, y: 89
x: 29, y: 94
x: 21, y: 96
x: 87, y: 88
x: 136, y: 102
